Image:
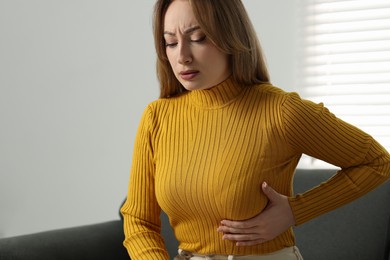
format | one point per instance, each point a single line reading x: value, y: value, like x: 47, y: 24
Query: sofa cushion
x: 97, y: 241
x: 356, y: 231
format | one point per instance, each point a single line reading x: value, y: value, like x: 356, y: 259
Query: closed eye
x: 170, y: 45
x: 201, y: 39
x: 174, y: 44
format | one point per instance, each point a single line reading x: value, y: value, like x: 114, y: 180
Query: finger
x: 226, y: 229
x: 241, y: 237
x: 269, y: 192
x: 238, y: 224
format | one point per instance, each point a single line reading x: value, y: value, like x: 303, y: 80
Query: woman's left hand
x: 276, y: 218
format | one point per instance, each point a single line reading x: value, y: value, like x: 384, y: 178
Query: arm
x: 141, y: 211
x: 313, y: 130
x: 365, y: 164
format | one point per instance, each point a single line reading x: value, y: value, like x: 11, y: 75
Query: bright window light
x: 344, y: 62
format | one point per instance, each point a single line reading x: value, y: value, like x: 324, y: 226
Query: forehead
x: 179, y: 16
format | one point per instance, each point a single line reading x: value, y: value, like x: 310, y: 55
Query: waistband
x: 285, y: 254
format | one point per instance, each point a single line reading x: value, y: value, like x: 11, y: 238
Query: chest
x: 217, y: 158
x: 213, y: 140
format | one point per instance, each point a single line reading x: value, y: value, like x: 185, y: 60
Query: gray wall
x: 75, y: 77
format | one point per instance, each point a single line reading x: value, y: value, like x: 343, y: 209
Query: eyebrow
x: 186, y: 31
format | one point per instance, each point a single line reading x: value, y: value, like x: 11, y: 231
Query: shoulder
x: 269, y: 93
x: 160, y: 108
x: 162, y: 104
x: 286, y: 104
x: 286, y: 98
x: 268, y: 89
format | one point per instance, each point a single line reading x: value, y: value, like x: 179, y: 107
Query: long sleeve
x: 141, y: 211
x: 203, y: 155
x: 312, y: 129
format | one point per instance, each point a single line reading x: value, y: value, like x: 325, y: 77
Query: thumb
x: 269, y: 192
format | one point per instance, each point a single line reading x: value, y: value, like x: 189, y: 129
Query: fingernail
x: 264, y: 185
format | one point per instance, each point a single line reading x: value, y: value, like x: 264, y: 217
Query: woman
x: 217, y: 152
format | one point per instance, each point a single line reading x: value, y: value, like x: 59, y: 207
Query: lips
x: 188, y: 74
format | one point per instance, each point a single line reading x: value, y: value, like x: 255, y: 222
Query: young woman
x: 217, y: 152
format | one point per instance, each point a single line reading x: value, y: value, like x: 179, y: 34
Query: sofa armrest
x: 97, y: 241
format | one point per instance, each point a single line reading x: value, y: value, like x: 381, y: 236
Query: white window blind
x: 344, y: 62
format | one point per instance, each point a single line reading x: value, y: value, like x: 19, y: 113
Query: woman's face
x: 196, y: 62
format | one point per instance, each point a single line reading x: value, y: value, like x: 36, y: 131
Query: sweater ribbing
x: 202, y: 157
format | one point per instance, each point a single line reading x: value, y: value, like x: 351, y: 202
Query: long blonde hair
x: 227, y: 25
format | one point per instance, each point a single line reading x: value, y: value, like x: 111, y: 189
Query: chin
x: 190, y: 86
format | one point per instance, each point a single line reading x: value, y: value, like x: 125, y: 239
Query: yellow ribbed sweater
x: 202, y: 157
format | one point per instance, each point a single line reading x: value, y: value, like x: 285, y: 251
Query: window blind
x: 344, y: 61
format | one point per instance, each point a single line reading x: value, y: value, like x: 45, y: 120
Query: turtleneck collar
x: 217, y: 96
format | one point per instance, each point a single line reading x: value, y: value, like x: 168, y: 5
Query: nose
x: 185, y: 55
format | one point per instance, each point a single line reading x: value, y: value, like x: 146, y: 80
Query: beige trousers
x: 288, y: 253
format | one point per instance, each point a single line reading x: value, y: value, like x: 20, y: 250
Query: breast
x: 222, y: 194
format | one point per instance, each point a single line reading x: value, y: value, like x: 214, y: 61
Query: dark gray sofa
x: 358, y: 231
